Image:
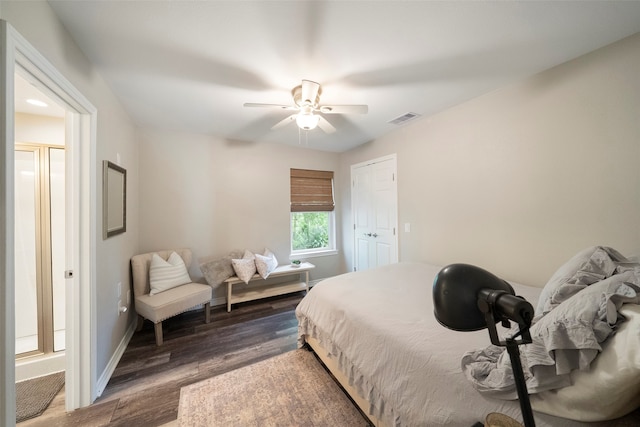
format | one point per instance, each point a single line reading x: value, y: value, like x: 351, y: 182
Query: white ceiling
x: 191, y: 65
x: 25, y: 91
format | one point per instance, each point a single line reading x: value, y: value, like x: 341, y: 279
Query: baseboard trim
x: 218, y: 301
x: 38, y: 366
x: 117, y: 355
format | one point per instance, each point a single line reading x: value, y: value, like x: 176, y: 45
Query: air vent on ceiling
x: 403, y: 118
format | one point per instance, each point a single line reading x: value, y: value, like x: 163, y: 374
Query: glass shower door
x: 27, y: 273
x: 39, y: 249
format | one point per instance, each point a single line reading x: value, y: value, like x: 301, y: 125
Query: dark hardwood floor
x: 144, y: 390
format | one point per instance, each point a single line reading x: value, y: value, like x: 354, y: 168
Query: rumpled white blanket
x: 565, y: 339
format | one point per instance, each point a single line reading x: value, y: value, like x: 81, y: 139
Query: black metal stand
x: 521, y: 385
x: 487, y: 306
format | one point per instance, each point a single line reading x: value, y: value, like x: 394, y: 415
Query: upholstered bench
x: 167, y: 303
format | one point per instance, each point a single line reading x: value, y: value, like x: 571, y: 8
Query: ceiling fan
x: 306, y: 99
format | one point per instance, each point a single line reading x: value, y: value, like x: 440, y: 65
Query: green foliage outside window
x: 309, y: 230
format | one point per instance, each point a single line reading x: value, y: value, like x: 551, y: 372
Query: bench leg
x: 140, y: 323
x: 158, y: 329
x: 207, y: 312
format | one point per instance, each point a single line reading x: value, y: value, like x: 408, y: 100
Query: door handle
x: 367, y: 234
x: 374, y: 235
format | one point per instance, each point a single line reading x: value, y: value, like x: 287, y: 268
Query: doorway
x: 39, y: 232
x: 374, y: 206
x: 18, y: 56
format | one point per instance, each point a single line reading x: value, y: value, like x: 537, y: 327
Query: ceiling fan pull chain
x: 306, y: 137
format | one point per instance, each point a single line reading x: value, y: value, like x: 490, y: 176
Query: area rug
x: 34, y: 396
x: 292, y: 389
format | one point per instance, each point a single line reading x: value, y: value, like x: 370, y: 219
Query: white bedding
x: 379, y: 326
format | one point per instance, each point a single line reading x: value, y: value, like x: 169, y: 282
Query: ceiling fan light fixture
x: 307, y: 121
x: 306, y: 100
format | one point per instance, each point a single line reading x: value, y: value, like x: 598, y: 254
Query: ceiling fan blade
x: 284, y: 122
x: 344, y: 109
x: 283, y: 107
x: 325, y: 125
x: 310, y: 92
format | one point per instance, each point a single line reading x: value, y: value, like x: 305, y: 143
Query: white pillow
x: 245, y: 268
x: 164, y: 275
x: 610, y: 388
x: 265, y: 264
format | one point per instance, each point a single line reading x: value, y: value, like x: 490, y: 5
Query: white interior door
x: 375, y: 211
x: 361, y: 178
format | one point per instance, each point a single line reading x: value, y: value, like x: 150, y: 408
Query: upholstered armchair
x: 162, y: 288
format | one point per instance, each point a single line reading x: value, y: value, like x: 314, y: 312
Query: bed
x: 376, y: 332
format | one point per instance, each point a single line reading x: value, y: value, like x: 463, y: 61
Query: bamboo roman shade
x: 311, y: 191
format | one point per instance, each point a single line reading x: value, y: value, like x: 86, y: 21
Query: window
x: 312, y: 212
x: 310, y: 231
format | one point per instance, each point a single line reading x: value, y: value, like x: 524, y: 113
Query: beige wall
x: 115, y: 135
x: 39, y: 129
x: 215, y: 196
x: 518, y: 180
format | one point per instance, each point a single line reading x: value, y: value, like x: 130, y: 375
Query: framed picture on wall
x: 114, y: 199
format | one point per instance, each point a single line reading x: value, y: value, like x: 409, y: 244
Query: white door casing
x: 7, y: 297
x: 19, y: 56
x: 374, y: 203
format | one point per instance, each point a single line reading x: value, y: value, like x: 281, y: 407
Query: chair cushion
x: 173, y: 301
